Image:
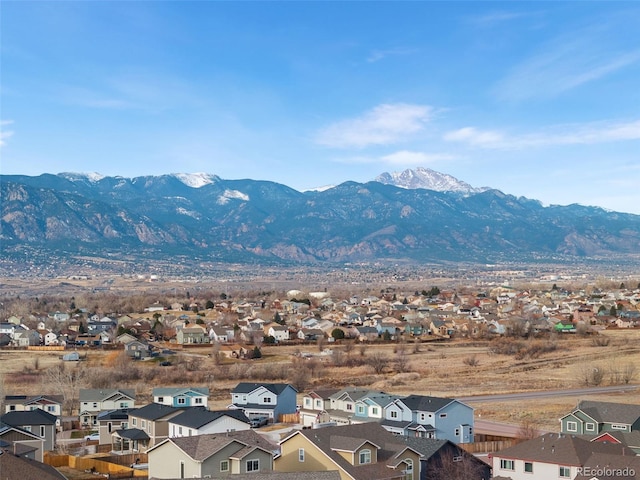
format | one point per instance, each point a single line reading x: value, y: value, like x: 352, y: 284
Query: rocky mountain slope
x: 256, y: 221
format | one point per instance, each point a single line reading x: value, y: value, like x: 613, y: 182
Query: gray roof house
x: 211, y: 456
x: 264, y: 399
x: 592, y: 418
x: 199, y: 421
x: 36, y: 421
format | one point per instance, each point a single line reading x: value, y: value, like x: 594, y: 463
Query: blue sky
x: 540, y: 99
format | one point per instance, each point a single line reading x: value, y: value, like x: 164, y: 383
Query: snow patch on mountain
x: 196, y: 180
x: 92, y: 177
x: 428, y: 179
x: 189, y: 213
x: 232, y: 194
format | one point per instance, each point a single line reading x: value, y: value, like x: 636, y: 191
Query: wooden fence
x: 488, y: 446
x: 289, y: 418
x: 98, y: 465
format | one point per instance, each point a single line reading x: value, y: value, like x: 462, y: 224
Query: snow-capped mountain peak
x: 92, y: 177
x: 428, y: 179
x: 196, y: 180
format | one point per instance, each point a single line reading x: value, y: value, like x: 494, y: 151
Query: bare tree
x: 528, y: 430
x: 378, y: 361
x: 401, y: 361
x: 67, y: 381
x: 321, y: 343
x: 216, y: 354
x: 456, y: 464
x: 629, y: 372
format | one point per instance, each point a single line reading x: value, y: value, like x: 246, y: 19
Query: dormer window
x: 365, y: 456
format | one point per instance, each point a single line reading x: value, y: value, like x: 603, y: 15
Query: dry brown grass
x: 441, y: 369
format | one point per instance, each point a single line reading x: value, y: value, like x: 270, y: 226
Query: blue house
x: 430, y: 417
x: 181, y: 396
x: 269, y: 400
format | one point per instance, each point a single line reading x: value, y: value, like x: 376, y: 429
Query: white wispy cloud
x: 495, y: 18
x: 377, y: 55
x: 4, y: 132
x: 578, y: 134
x: 383, y: 125
x: 565, y: 63
x: 400, y: 158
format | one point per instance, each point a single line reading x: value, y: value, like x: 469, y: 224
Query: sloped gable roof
x: 609, y: 412
x: 197, y: 417
x: 276, y: 388
x: 29, y: 417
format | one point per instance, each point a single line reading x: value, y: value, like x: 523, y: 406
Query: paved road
x: 548, y: 394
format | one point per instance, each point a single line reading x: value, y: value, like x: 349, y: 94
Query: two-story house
x: 594, y: 418
x: 430, y: 417
x: 49, y: 403
x: 193, y: 334
x: 315, y: 406
x: 36, y: 421
x: 211, y: 456
x: 551, y: 457
x: 181, y: 396
x: 24, y: 443
x: 111, y: 421
x: 95, y: 400
x: 147, y: 426
x: 264, y: 399
x: 199, y: 421
x: 358, y: 452
x: 279, y: 332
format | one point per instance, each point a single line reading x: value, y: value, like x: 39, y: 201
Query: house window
x: 360, y: 409
x: 349, y: 407
x: 42, y: 431
x: 180, y: 431
x: 301, y: 454
x: 253, y: 465
x: 528, y: 467
x: 51, y: 408
x: 507, y: 464
x: 457, y: 432
x: 307, y: 402
x: 266, y: 400
x: 182, y: 401
x: 198, y: 401
x: 443, y: 415
x: 422, y: 417
x: 565, y: 472
x: 365, y: 456
x: 27, y: 428
x: 590, y: 427
x: 374, y: 411
x: 160, y: 399
x: 12, y: 408
x: 109, y: 427
x: 95, y: 405
x: 144, y: 424
x: 572, y: 426
x: 457, y: 458
x: 408, y: 472
x: 134, y: 422
x: 617, y: 426
x: 318, y: 403
x: 393, y: 414
x: 224, y: 465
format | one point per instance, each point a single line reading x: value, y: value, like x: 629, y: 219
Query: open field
x: 459, y: 368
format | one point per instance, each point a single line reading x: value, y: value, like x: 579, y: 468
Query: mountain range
x: 415, y: 216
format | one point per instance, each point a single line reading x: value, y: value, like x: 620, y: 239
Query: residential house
x: 592, y: 418
x: 358, y: 452
x: 199, y: 421
x: 147, y: 426
x: 21, y: 442
x: 36, y: 421
x: 551, y: 456
x: 19, y: 403
x: 105, y: 324
x: 264, y: 399
x: 221, y: 334
x: 211, y: 456
x: 193, y: 334
x: 370, y: 407
x: 342, y: 404
x: 629, y: 440
x: 431, y: 417
x: 110, y: 421
x: 279, y: 332
x: 95, y: 400
x: 315, y: 406
x: 137, y: 349
x: 181, y: 396
x: 23, y: 337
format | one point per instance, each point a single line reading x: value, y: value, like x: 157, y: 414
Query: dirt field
x: 454, y: 369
